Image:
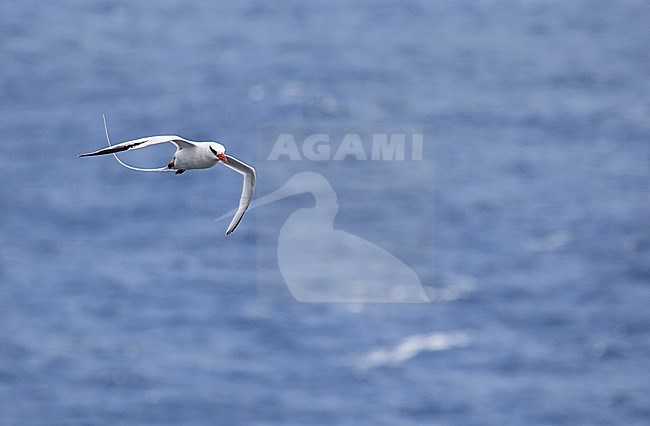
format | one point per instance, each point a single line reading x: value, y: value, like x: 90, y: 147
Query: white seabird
x: 189, y: 155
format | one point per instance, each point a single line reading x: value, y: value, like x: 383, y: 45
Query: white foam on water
x: 411, y: 346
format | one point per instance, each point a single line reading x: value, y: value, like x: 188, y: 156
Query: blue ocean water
x: 121, y: 302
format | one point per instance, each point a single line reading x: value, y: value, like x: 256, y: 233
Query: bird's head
x: 219, y: 151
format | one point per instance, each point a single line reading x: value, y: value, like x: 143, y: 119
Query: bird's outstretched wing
x: 136, y: 144
x: 140, y: 143
x: 247, y: 189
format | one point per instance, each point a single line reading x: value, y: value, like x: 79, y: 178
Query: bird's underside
x: 170, y: 166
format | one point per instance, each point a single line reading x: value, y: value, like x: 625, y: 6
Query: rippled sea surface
x: 122, y: 303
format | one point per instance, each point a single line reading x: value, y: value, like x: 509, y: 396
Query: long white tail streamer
x: 137, y: 169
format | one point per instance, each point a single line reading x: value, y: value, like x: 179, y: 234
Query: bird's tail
x: 137, y: 169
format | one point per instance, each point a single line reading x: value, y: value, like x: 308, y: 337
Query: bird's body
x: 195, y: 156
x: 190, y: 155
x: 198, y: 156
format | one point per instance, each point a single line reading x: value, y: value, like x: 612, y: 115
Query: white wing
x: 247, y: 189
x: 139, y: 143
x: 137, y: 169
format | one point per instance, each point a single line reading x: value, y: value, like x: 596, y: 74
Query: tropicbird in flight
x: 189, y: 155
